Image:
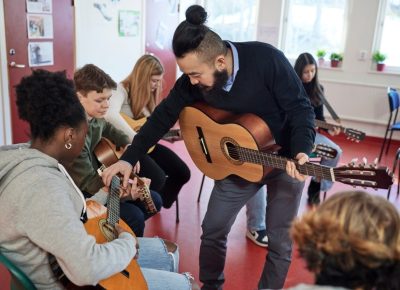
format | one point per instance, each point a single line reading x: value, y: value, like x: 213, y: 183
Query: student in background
x: 49, y: 210
x: 352, y: 241
x: 307, y: 70
x: 137, y: 96
x: 94, y: 88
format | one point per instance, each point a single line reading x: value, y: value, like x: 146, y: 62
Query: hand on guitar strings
x: 120, y: 167
x: 133, y: 190
x: 121, y: 230
x: 291, y: 169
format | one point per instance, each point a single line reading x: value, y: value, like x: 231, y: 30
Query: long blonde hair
x: 137, y: 84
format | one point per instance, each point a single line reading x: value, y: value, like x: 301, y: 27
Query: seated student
x: 41, y: 209
x: 352, y: 240
x: 94, y: 87
x: 137, y: 96
x: 307, y: 70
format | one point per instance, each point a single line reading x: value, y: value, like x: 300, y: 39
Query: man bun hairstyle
x: 48, y: 101
x: 192, y: 35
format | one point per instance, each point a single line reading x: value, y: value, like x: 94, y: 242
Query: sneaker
x: 258, y: 237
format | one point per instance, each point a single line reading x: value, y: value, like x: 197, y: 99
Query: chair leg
x: 201, y: 188
x: 323, y: 199
x: 383, y: 145
x: 177, y: 210
x: 389, y: 141
x: 396, y: 160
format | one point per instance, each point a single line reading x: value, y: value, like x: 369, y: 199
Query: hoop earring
x: 68, y: 145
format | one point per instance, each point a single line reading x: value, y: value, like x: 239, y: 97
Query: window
x: 387, y: 40
x: 311, y: 25
x: 233, y: 20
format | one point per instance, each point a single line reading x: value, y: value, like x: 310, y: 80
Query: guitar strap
x: 330, y: 109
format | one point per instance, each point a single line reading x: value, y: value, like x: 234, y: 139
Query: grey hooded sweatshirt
x: 40, y: 213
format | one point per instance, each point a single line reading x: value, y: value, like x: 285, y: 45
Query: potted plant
x: 321, y: 53
x: 336, y: 58
x: 379, y: 58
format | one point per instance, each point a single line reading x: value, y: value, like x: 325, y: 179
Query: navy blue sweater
x: 265, y: 85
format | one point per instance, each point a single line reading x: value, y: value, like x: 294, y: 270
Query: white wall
x: 98, y: 42
x: 357, y: 92
x: 5, y: 118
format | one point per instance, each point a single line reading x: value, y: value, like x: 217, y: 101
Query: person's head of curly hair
x: 48, y: 101
x: 352, y: 240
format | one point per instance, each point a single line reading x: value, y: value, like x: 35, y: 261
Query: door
x: 17, y: 50
x: 162, y: 18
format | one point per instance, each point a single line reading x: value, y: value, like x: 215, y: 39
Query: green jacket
x: 84, y: 168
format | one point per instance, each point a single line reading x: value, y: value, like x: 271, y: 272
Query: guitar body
x: 131, y: 278
x: 136, y: 125
x: 218, y: 129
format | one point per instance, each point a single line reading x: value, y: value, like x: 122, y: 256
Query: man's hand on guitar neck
x: 291, y: 169
x: 121, y: 167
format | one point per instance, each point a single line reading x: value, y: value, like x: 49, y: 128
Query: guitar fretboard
x: 324, y: 125
x: 113, y: 207
x: 279, y: 162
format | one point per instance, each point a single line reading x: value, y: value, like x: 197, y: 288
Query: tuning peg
x: 375, y: 164
x: 353, y: 162
x: 364, y: 162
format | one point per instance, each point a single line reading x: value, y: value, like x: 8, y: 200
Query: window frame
x: 284, y: 31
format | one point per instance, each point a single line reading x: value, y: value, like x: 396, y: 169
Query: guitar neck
x: 113, y: 202
x: 325, y: 125
x: 279, y: 162
x: 172, y: 133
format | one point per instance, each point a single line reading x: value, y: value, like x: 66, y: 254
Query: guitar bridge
x: 203, y: 144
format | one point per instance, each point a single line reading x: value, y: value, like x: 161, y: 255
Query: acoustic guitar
x: 137, y: 124
x: 101, y: 225
x: 352, y: 134
x: 221, y: 144
x: 107, y: 154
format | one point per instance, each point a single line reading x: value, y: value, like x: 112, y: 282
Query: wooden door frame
x: 5, y: 109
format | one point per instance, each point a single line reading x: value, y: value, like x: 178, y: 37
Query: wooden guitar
x: 137, y: 124
x: 101, y: 225
x: 352, y: 134
x: 221, y: 144
x: 107, y: 154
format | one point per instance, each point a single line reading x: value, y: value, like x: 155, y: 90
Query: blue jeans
x: 159, y: 267
x: 321, y: 139
x: 256, y: 210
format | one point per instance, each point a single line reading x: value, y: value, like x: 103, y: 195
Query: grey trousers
x: 227, y: 198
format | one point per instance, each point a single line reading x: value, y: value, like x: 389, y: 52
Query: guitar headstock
x: 322, y: 150
x: 364, y: 175
x: 354, y: 135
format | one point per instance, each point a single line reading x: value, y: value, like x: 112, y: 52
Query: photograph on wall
x: 128, y: 22
x: 39, y: 6
x: 40, y: 53
x: 40, y: 26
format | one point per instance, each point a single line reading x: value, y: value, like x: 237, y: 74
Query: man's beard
x: 220, y: 80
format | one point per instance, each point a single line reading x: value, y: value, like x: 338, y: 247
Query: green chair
x: 19, y: 281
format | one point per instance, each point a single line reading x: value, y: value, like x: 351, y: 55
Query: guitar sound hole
x: 230, y: 149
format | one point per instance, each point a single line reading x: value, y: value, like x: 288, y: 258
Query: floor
x: 245, y: 260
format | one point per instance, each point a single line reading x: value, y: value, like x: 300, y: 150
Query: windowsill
x: 328, y: 67
x: 384, y: 72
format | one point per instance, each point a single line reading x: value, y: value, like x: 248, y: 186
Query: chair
x: 396, y: 161
x: 392, y: 125
x: 19, y: 281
